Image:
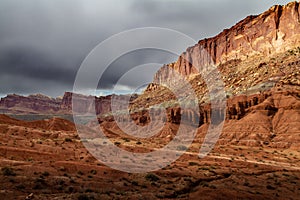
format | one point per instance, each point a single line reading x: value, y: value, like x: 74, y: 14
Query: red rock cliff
x: 276, y: 30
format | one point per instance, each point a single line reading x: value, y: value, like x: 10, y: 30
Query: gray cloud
x: 31, y: 64
x: 43, y: 42
x: 136, y: 58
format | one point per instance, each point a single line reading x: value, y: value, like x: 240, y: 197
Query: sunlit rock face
x: 276, y: 30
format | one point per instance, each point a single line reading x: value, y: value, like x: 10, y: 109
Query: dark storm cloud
x: 135, y: 58
x: 31, y: 64
x: 43, y: 42
x: 202, y: 18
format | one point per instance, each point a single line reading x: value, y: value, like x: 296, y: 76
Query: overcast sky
x: 43, y: 42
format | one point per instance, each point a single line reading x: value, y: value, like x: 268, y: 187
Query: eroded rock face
x: 275, y: 31
x: 32, y: 103
x: 92, y: 104
x: 40, y: 104
x: 269, y: 102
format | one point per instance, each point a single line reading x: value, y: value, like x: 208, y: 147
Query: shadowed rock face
x: 92, y: 104
x: 275, y: 31
x: 31, y: 104
x: 238, y: 107
x: 40, y: 104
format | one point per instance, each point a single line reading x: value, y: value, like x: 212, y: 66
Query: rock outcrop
x: 93, y: 104
x: 41, y: 104
x: 275, y: 31
x: 31, y: 104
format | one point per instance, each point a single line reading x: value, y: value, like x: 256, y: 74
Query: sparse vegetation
x: 68, y: 140
x: 7, y: 171
x: 126, y: 140
x: 193, y: 164
x: 80, y: 173
x: 181, y: 148
x: 45, y: 173
x: 85, y: 197
x: 152, y: 177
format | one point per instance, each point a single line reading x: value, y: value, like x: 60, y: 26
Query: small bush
x: 181, y: 148
x: 89, y: 190
x: 45, y: 174
x: 152, y: 177
x: 204, y: 184
x: 63, y: 169
x: 68, y: 140
x: 246, y: 184
x: 80, y: 173
x: 40, y: 184
x: 20, y: 187
x: 85, y: 197
x: 270, y: 187
x: 7, y: 171
x: 135, y: 183
x: 212, y: 186
x: 193, y: 164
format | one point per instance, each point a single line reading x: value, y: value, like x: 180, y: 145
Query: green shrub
x: 68, y: 140
x: 152, y: 177
x: 84, y: 197
x: 193, y: 164
x: 80, y: 173
x: 7, y: 171
x: 181, y: 148
x: 45, y: 173
x: 20, y: 187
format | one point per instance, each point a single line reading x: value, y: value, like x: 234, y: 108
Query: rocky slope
x: 54, y: 124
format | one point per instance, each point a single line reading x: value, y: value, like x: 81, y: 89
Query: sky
x: 44, y: 42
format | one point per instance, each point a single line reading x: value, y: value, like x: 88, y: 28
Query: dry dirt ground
x: 39, y: 160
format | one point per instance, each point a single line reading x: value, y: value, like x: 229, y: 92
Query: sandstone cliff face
x: 93, y: 104
x: 275, y: 31
x: 82, y: 102
x: 31, y: 104
x: 40, y: 104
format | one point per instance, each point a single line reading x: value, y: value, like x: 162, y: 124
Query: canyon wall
x: 275, y: 31
x: 41, y: 104
x: 31, y: 104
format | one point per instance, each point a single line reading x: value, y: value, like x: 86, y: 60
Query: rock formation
x: 32, y: 104
x: 258, y: 60
x: 41, y: 104
x: 275, y: 31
